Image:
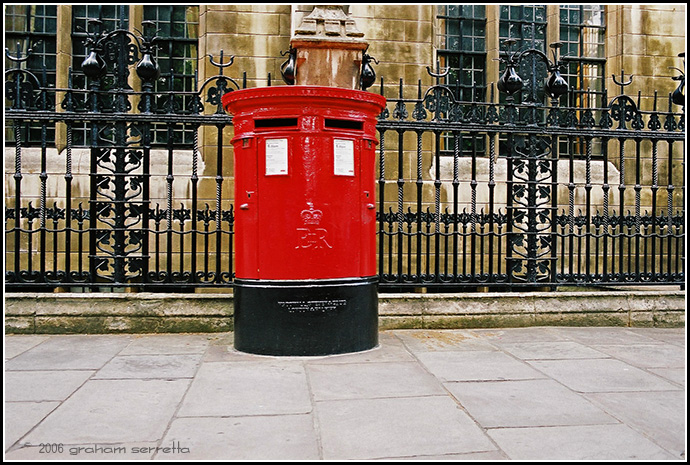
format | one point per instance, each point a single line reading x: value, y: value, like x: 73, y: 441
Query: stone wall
x: 168, y: 313
x: 645, y: 40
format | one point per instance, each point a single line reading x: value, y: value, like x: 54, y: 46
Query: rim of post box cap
x: 234, y: 102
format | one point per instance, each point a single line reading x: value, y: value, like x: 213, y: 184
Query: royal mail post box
x: 305, y: 221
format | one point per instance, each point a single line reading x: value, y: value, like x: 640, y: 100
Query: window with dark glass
x: 461, y: 48
x: 177, y: 56
x: 582, y: 29
x: 524, y: 23
x: 33, y: 27
x: 582, y: 34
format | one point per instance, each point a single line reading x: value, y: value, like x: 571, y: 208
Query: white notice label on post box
x: 343, y: 157
x: 276, y: 156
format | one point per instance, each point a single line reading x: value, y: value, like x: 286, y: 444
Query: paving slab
x: 389, y: 349
x: 549, y: 350
x: 112, y: 411
x: 15, y: 344
x: 646, y: 355
x: 168, y: 344
x: 603, y: 335
x: 529, y: 334
x: 676, y: 336
x: 675, y: 375
x: 20, y: 417
x: 274, y: 437
x: 427, y: 340
x: 397, y: 427
x: 601, y: 375
x: 595, y: 442
x: 69, y: 353
x: 150, y: 366
x: 370, y: 380
x: 472, y: 456
x: 659, y: 415
x: 226, y: 353
x: 39, y: 386
x: 541, y: 402
x: 266, y: 387
x: 476, y: 366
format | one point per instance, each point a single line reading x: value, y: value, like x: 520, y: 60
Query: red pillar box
x: 305, y: 279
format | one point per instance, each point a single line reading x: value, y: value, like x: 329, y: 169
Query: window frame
x: 182, y: 82
x: 43, y: 46
x: 464, y: 89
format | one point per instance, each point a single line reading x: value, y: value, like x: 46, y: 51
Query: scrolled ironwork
x: 367, y: 73
x: 510, y: 81
x: 678, y: 97
x: 288, y: 69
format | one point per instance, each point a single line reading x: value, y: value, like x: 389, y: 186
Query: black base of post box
x: 314, y: 317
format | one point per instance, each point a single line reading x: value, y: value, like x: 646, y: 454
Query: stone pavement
x: 539, y: 393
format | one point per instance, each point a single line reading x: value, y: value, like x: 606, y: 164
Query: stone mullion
x: 63, y: 61
x: 493, y: 47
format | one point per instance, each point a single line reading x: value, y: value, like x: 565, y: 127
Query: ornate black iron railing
x: 471, y: 194
x: 115, y: 221
x: 618, y: 217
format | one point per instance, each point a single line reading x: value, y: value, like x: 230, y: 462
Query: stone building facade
x: 600, y: 42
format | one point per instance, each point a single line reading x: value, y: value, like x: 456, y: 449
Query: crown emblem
x: 311, y: 216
